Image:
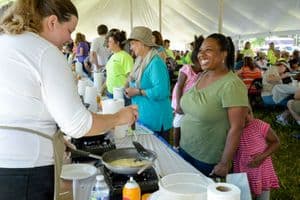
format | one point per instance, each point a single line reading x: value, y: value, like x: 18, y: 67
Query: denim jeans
x: 203, y: 167
x: 27, y: 183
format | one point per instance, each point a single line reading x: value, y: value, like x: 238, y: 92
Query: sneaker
x: 280, y: 120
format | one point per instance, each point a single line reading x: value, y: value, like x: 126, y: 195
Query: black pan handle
x: 79, y: 152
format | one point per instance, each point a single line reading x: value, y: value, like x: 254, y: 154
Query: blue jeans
x: 203, y: 167
x: 27, y: 183
x: 268, y: 101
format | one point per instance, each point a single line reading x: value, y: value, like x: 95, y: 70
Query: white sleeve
x: 60, y: 95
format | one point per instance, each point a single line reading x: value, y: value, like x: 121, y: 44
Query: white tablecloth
x: 168, y: 161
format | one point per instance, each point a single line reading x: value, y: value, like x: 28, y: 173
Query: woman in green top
x: 215, y: 109
x: 119, y: 64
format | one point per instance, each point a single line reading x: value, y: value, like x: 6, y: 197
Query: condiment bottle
x: 131, y: 190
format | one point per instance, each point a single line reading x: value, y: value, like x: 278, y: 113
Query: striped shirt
x: 253, y: 142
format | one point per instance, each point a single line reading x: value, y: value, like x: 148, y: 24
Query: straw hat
x: 282, y: 62
x: 142, y: 34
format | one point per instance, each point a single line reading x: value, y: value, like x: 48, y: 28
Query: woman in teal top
x: 215, y: 109
x: 149, y: 85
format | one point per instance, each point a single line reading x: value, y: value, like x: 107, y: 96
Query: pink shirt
x: 191, y: 78
x: 252, y: 142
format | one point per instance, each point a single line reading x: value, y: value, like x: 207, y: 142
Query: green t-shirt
x: 117, y: 68
x: 170, y: 53
x: 248, y: 53
x: 205, y: 124
x: 271, y: 57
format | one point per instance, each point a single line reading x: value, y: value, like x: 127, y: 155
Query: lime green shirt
x: 188, y: 58
x: 205, y: 124
x: 271, y: 57
x: 117, y: 69
x: 170, y: 53
x: 248, y: 53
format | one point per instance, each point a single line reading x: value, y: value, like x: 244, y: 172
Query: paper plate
x: 77, y: 171
x: 154, y: 196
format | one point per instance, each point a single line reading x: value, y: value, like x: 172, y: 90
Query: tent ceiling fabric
x: 182, y: 19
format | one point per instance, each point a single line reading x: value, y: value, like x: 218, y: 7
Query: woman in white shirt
x: 38, y: 93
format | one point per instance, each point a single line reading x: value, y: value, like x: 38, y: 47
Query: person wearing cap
x: 271, y: 78
x: 149, y: 85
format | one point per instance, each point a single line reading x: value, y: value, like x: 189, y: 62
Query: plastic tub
x: 182, y: 186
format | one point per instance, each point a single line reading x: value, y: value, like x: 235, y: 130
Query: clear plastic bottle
x: 131, y: 190
x: 100, y: 190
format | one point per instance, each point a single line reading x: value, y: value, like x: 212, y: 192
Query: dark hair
x: 248, y: 61
x: 27, y: 15
x: 166, y: 41
x: 118, y: 36
x: 102, y: 29
x: 247, y: 44
x: 196, y: 44
x: 225, y: 44
x: 158, y: 38
x: 79, y: 38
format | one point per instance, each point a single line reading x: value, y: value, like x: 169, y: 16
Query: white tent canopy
x: 182, y: 19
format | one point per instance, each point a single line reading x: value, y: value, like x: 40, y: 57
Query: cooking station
x: 167, y: 162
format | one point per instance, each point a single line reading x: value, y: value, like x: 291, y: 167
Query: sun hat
x: 142, y: 34
x: 282, y: 62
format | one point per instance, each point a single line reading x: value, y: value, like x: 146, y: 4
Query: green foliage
x: 258, y: 42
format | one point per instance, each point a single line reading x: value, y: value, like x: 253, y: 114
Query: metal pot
x: 121, y: 153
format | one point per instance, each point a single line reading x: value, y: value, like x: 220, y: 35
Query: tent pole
x: 159, y: 16
x: 131, y: 15
x: 221, y: 12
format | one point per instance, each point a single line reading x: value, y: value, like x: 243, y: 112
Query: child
x: 258, y: 141
x: 188, y: 75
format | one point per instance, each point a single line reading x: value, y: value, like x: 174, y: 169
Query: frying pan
x: 121, y: 153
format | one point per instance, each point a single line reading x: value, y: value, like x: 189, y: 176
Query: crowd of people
x: 208, y: 108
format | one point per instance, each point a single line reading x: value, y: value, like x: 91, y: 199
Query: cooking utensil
x: 144, y: 153
x: 117, y: 154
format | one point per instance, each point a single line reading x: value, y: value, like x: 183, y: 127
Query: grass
x: 287, y: 159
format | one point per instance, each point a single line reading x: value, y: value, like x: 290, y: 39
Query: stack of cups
x: 79, y: 69
x: 118, y: 93
x: 111, y: 106
x: 82, y: 84
x: 90, y: 97
x: 98, y: 80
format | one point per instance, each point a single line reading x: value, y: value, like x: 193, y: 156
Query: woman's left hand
x: 221, y: 169
x: 130, y: 92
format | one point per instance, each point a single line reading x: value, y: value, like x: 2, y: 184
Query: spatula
x: 144, y: 153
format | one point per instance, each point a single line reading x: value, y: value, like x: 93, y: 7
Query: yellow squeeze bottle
x: 131, y: 190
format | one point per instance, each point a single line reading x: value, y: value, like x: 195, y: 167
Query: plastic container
x: 182, y: 186
x: 100, y: 190
x: 131, y: 190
